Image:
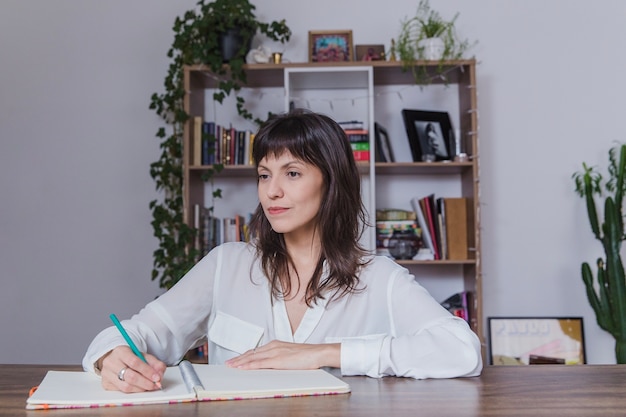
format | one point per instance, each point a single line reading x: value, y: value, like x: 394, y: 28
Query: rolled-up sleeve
x: 424, y: 339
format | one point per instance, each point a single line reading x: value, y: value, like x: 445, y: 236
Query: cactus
x: 607, y: 296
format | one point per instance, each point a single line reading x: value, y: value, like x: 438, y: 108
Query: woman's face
x: 290, y: 192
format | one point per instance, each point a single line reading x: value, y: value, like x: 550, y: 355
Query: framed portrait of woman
x: 430, y: 135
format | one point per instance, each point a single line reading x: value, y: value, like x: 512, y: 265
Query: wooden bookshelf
x: 302, y: 78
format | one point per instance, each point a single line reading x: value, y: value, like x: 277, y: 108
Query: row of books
x: 217, y: 144
x: 443, y: 222
x: 439, y: 223
x: 360, y: 143
x: 213, y: 231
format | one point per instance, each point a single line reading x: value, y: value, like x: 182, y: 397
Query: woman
x: 304, y: 294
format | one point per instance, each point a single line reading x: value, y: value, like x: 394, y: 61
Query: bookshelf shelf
x: 362, y: 91
x: 437, y: 262
x: 420, y: 168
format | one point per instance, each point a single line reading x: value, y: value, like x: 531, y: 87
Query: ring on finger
x: 120, y: 374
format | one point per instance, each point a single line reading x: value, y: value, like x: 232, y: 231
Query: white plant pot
x: 431, y: 48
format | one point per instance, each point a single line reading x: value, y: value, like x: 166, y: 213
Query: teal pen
x: 127, y: 337
x: 130, y: 343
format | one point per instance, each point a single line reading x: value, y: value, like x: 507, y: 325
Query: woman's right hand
x: 122, y: 370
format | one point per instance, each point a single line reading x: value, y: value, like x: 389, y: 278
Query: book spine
x: 363, y: 132
x: 247, y: 151
x: 208, y: 142
x: 456, y: 227
x: 197, y: 141
x: 361, y: 155
x: 241, y: 144
x: 430, y: 222
x: 426, y: 238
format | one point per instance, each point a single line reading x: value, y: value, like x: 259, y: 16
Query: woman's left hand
x: 285, y: 355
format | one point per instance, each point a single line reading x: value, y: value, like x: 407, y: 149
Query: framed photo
x: 370, y: 52
x: 384, y: 152
x: 430, y: 135
x: 536, y: 340
x: 330, y: 46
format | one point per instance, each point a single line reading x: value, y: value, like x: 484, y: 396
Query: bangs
x: 287, y: 135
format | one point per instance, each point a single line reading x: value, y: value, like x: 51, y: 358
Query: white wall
x: 77, y: 138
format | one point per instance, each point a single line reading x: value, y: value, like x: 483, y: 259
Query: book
x: 186, y: 382
x: 430, y: 215
x: 361, y: 156
x: 208, y: 143
x: 421, y: 220
x: 456, y: 227
x: 441, y: 219
x: 356, y: 132
x: 351, y: 124
x: 197, y: 141
x: 249, y: 153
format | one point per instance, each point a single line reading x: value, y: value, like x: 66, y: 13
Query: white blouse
x: 392, y: 327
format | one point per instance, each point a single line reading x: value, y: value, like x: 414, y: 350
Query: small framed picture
x: 330, y: 46
x: 430, y: 135
x: 370, y: 52
x: 384, y: 152
x: 536, y: 340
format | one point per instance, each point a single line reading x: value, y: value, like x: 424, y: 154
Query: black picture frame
x: 430, y: 135
x: 536, y: 340
x: 384, y: 151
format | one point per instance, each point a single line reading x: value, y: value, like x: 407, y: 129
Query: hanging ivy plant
x: 198, y: 36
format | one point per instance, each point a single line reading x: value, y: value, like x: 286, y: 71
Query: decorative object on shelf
x: 330, y: 45
x: 392, y: 51
x: 277, y: 57
x: 197, y: 37
x: 609, y: 300
x: 403, y: 244
x: 431, y: 49
x: 427, y: 36
x: 258, y: 55
x: 370, y: 52
x: 536, y: 340
x: 459, y: 147
x: 430, y: 135
x: 384, y: 151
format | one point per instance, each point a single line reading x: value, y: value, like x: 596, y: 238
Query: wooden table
x: 502, y: 391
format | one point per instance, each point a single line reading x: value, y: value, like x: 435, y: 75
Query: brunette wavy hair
x: 318, y: 140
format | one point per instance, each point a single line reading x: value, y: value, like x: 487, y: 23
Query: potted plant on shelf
x: 427, y: 36
x: 607, y: 296
x: 203, y: 35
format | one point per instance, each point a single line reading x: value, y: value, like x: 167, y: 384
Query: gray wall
x: 77, y: 138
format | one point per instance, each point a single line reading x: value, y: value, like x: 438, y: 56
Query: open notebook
x: 184, y: 383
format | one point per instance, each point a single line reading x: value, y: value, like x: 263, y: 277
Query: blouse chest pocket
x: 234, y: 334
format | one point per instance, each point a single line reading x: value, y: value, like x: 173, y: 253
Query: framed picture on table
x: 430, y: 135
x: 370, y: 52
x: 330, y: 46
x: 536, y: 340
